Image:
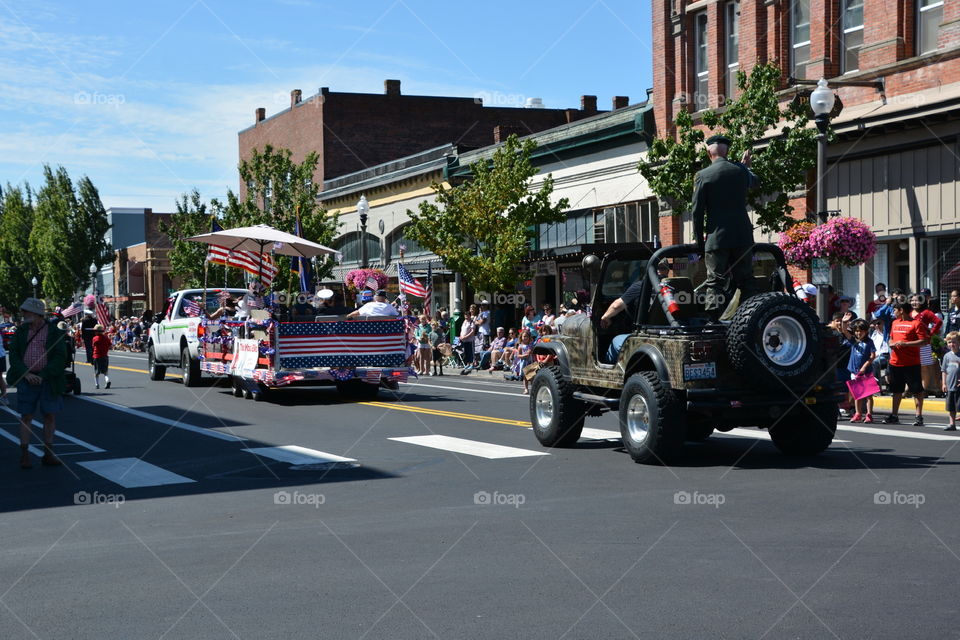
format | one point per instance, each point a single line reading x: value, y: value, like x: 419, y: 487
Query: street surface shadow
x: 327, y: 396
x: 743, y: 453
x: 190, y: 417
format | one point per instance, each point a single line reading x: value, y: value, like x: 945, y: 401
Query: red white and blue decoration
x: 373, y: 343
x: 408, y: 284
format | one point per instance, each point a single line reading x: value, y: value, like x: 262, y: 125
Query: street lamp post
x: 93, y: 278
x: 34, y: 282
x: 363, y: 208
x: 821, y: 102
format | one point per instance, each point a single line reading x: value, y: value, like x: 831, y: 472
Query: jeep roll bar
x: 684, y: 250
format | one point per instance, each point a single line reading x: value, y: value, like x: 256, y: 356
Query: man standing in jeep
x: 720, y: 192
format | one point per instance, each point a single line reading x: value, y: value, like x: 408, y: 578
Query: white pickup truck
x: 173, y: 338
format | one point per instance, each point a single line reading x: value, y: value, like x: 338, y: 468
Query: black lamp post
x: 34, y: 282
x: 363, y: 208
x: 821, y: 102
x: 93, y: 278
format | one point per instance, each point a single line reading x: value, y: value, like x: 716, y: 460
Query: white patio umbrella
x: 260, y: 237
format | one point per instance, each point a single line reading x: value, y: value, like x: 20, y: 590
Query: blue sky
x: 147, y: 98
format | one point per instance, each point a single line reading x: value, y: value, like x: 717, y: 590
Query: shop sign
x: 545, y: 268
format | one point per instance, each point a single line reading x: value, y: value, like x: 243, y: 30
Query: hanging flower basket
x: 794, y: 244
x: 843, y: 242
x: 356, y: 280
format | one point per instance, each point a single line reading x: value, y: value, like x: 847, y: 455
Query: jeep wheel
x: 157, y: 371
x: 806, y: 430
x: 191, y: 368
x: 776, y: 332
x: 556, y: 417
x: 651, y: 419
x: 237, y: 386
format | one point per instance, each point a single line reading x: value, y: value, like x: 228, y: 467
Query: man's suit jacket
x: 720, y: 192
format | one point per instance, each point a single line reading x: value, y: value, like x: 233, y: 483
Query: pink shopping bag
x: 863, y: 386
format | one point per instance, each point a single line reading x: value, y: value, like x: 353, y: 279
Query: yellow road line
x: 447, y: 414
x: 172, y: 375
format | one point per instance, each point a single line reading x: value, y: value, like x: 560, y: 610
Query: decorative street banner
x: 371, y: 343
x: 245, y: 355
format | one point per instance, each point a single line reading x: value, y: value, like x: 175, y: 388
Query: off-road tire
x: 358, y: 390
x: 157, y: 371
x: 556, y: 417
x: 760, y: 315
x: 807, y: 430
x: 191, y: 368
x: 665, y: 419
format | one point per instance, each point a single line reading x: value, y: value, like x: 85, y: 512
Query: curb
x: 930, y: 405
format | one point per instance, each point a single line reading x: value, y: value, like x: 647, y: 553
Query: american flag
x: 249, y: 261
x: 191, y: 308
x: 428, y: 297
x: 301, y: 265
x: 103, y: 315
x: 373, y: 343
x: 409, y: 284
x: 72, y: 310
x: 372, y: 283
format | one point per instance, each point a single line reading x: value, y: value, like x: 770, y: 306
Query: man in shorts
x: 906, y: 337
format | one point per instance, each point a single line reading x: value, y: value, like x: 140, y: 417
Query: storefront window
x: 576, y: 229
x: 349, y: 246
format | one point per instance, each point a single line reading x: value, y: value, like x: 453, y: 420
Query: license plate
x: 699, y: 371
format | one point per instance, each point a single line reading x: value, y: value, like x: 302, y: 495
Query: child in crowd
x: 951, y: 377
x: 424, y: 358
x: 101, y: 351
x: 862, y: 353
x: 524, y: 357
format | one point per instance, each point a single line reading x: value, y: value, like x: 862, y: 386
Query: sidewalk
x: 930, y: 405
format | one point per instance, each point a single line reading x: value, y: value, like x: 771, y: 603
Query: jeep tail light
x: 701, y: 351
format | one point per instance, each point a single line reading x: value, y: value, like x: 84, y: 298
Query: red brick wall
x: 353, y: 131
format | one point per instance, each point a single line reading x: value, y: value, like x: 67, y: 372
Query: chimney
x: 295, y: 98
x: 261, y: 115
x: 588, y: 104
x: 619, y: 102
x: 391, y: 87
x: 503, y: 131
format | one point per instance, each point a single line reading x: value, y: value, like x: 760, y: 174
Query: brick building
x: 354, y: 131
x: 895, y: 161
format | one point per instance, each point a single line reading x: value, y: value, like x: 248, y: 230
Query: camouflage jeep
x: 768, y: 362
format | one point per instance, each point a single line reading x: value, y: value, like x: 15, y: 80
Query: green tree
x: 781, y: 166
x: 187, y: 259
x: 482, y: 228
x: 68, y: 234
x: 278, y: 190
x: 16, y: 263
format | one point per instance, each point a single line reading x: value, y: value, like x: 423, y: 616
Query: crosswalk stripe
x: 897, y: 434
x: 469, y: 447
x: 133, y: 472
x: 297, y: 455
x: 599, y: 434
x: 60, y: 434
x: 760, y: 434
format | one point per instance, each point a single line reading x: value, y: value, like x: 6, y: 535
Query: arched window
x: 396, y: 238
x: 349, y: 246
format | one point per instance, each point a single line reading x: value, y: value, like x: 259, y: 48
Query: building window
x: 701, y: 92
x: 852, y: 18
x: 799, y: 37
x: 731, y: 24
x: 576, y: 229
x: 349, y: 246
x: 632, y: 222
x: 412, y: 248
x: 928, y: 25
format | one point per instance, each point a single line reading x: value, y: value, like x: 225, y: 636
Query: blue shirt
x: 885, y: 315
x: 860, y: 352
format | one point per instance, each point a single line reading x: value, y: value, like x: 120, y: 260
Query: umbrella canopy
x: 263, y: 238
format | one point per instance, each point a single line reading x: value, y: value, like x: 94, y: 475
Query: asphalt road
x: 435, y: 513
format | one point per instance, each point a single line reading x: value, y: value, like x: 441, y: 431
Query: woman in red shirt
x: 907, y: 335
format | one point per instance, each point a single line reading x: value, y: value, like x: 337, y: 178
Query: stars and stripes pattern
x: 249, y: 261
x: 409, y: 284
x: 103, y: 315
x: 72, y: 310
x: 372, y: 283
x: 191, y: 308
x: 373, y: 343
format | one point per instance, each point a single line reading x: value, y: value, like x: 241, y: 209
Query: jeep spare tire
x: 778, y: 333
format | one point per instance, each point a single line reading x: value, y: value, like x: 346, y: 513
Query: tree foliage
x: 781, y: 166
x: 16, y: 263
x: 278, y: 190
x: 482, y: 228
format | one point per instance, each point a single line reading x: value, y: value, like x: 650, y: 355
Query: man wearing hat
x: 378, y: 307
x: 86, y: 332
x: 38, y: 356
x: 726, y: 239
